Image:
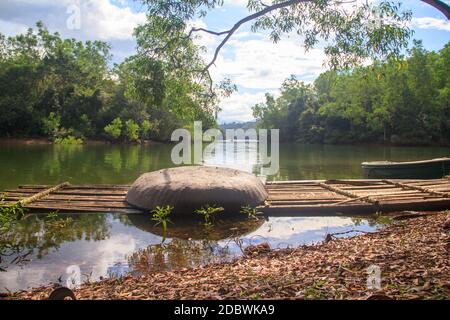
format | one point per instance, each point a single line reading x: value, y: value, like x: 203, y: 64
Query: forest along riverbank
x: 46, y: 141
x: 412, y: 255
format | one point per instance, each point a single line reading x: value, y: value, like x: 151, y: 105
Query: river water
x: 37, y: 251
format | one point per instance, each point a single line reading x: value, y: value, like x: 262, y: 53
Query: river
x: 35, y: 253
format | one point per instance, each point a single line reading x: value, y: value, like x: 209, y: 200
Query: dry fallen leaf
x: 412, y: 255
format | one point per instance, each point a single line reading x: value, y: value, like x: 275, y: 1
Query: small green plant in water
x: 52, y: 216
x: 160, y: 215
x: 15, y: 211
x: 208, y: 212
x: 10, y: 214
x: 249, y: 212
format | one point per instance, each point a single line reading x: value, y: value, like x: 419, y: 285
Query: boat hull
x: 432, y: 169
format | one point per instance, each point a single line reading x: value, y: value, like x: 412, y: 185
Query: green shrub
x: 146, y: 126
x: 131, y: 130
x: 149, y: 128
x: 114, y: 129
x: 8, y: 215
x: 69, y: 140
x: 85, y: 126
x: 51, y: 124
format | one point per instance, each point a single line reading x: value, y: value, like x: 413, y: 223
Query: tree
x: 57, y: 88
x: 41, y: 74
x: 353, y: 31
x: 166, y: 86
x: 290, y: 112
x: 399, y: 101
x: 114, y: 129
x: 147, y: 127
x: 131, y: 130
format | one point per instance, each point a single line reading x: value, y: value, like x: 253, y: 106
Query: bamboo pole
x: 42, y: 194
x: 348, y: 193
x: 410, y: 187
x: 350, y: 200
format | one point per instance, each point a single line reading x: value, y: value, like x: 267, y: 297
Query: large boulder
x: 189, y: 188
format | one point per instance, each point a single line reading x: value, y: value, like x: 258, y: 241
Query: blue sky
x: 253, y: 63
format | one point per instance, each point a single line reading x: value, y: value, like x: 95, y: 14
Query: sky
x: 250, y: 60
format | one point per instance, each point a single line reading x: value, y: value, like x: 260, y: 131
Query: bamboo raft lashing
x: 286, y: 198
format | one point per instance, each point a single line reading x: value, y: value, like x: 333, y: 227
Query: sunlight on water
x: 98, y: 244
x: 240, y: 155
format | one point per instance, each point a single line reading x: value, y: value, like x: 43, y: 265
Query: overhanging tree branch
x: 251, y: 17
x: 207, y: 31
x: 440, y: 5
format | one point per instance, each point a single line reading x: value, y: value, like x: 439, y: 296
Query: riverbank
x: 412, y: 255
x: 45, y: 141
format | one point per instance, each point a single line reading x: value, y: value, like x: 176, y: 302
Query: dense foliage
x: 404, y: 101
x: 66, y: 90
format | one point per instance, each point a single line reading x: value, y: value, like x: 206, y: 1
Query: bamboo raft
x: 286, y: 198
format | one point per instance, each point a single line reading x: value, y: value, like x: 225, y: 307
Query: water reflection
x: 35, y: 253
x: 178, y: 254
x: 36, y: 236
x: 240, y: 155
x: 97, y: 242
x: 194, y: 229
x: 122, y: 164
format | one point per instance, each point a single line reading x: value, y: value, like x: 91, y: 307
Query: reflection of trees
x: 373, y: 220
x: 299, y: 161
x: 192, y: 244
x: 177, y: 254
x: 38, y: 235
x: 96, y: 164
x: 191, y: 228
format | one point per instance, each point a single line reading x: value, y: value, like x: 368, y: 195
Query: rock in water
x: 189, y: 188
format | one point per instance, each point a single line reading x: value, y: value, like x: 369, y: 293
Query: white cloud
x: 261, y: 64
x: 285, y: 228
x: 238, y: 107
x: 237, y: 3
x: 10, y: 28
x: 106, y: 21
x: 431, y: 23
x: 46, y: 2
x: 99, y: 19
x: 258, y: 65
